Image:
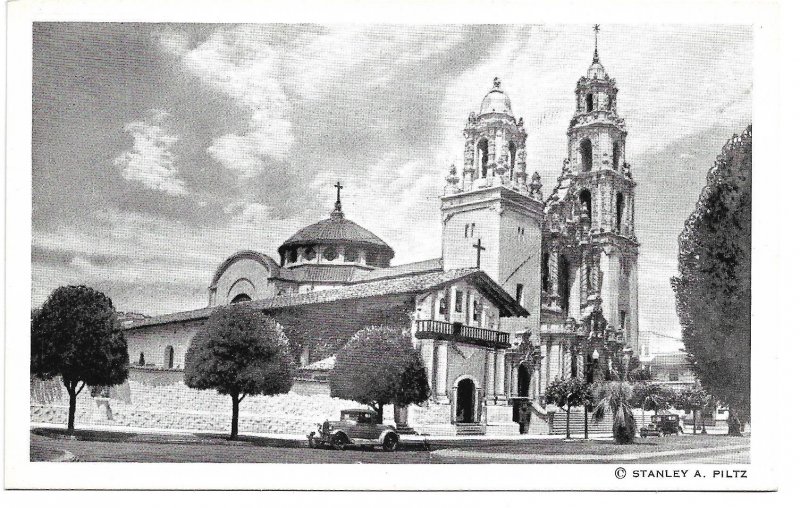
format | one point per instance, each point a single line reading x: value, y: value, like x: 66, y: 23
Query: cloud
x: 151, y: 162
x: 241, y: 63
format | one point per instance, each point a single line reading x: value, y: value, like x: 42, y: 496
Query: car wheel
x: 390, y: 443
x: 338, y: 441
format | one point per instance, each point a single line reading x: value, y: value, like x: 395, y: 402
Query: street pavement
x: 52, y: 445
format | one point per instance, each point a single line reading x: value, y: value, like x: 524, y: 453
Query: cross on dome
x: 337, y: 208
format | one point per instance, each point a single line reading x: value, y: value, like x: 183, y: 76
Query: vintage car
x: 355, y: 427
x: 662, y: 424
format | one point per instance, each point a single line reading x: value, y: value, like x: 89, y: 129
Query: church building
x: 527, y: 290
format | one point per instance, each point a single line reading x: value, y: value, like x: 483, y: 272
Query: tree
x: 694, y: 399
x: 613, y: 397
x: 238, y: 352
x: 76, y: 335
x: 567, y: 393
x: 652, y: 397
x: 379, y: 366
x: 713, y: 286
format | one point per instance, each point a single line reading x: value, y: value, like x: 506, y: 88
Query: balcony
x: 429, y: 329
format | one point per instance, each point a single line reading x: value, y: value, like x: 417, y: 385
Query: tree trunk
x: 694, y: 421
x: 585, y: 422
x: 380, y: 413
x: 734, y: 424
x: 72, y: 403
x: 235, y: 417
x: 568, y: 412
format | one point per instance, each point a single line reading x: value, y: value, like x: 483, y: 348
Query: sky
x: 161, y: 149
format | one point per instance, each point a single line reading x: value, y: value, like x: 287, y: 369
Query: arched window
x: 512, y: 154
x: 241, y: 297
x: 615, y: 154
x: 330, y: 253
x: 350, y: 255
x: 310, y: 253
x: 169, y: 357
x: 585, y: 198
x: 483, y: 157
x: 620, y: 209
x: 141, y: 359
x: 589, y: 102
x: 586, y: 154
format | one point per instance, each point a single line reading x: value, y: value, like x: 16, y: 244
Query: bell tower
x: 492, y: 210
x: 601, y: 187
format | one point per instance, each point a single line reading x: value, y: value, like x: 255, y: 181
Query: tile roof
x: 411, y: 284
x: 335, y: 230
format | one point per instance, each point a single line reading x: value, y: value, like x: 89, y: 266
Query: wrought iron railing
x: 470, y: 333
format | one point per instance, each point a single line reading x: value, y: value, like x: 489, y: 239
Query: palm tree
x: 613, y: 397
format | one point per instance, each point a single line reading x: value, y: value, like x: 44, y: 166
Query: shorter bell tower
x: 492, y: 213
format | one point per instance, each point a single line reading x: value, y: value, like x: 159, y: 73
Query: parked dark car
x: 661, y: 425
x: 355, y: 427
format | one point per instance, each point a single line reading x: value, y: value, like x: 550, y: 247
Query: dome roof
x: 496, y: 101
x: 336, y: 230
x: 596, y: 71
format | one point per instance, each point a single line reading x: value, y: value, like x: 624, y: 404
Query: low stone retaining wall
x: 160, y: 399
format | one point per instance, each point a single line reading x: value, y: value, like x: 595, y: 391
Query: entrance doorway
x: 523, y: 381
x: 465, y: 401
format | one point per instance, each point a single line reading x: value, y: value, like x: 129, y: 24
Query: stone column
x: 489, y: 382
x: 515, y: 380
x: 441, y: 371
x: 500, y: 374
x: 426, y: 351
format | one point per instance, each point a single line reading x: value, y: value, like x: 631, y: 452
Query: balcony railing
x: 462, y: 333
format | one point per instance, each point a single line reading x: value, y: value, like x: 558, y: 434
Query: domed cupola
x: 496, y: 101
x: 333, y: 248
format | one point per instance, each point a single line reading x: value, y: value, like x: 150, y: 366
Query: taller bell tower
x: 491, y: 209
x: 592, y: 252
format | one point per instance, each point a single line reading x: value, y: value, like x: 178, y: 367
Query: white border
x: 20, y: 473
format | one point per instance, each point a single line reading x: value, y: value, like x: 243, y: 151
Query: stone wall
x: 158, y: 399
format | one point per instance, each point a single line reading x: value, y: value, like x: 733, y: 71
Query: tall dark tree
x: 239, y: 352
x: 379, y: 366
x: 76, y: 335
x: 713, y: 286
x: 568, y: 393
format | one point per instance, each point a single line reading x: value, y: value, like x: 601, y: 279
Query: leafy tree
x: 379, y: 366
x: 713, y: 286
x: 652, y: 397
x: 76, y: 335
x: 613, y: 397
x: 238, y: 352
x: 637, y: 371
x: 694, y: 399
x: 567, y: 393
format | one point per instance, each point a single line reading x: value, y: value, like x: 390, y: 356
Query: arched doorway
x: 523, y: 381
x: 465, y: 401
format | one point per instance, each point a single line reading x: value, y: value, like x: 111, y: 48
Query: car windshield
x: 350, y: 417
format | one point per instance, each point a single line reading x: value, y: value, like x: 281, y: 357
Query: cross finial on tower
x: 337, y: 208
x: 596, y: 56
x: 496, y: 83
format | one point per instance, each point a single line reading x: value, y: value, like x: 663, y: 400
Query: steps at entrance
x: 406, y: 430
x: 576, y: 423
x: 470, y: 429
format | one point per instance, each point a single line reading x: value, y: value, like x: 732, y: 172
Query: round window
x: 310, y: 253
x: 293, y: 256
x: 330, y: 253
